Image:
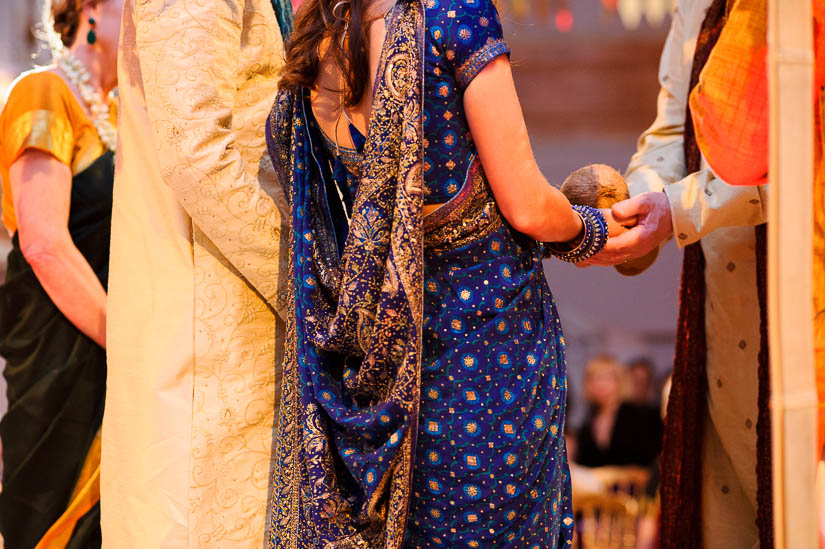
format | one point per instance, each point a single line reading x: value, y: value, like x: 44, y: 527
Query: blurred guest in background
x: 57, y: 136
x: 616, y: 432
x: 641, y: 382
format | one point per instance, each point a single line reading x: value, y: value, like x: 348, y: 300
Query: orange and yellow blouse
x: 42, y: 113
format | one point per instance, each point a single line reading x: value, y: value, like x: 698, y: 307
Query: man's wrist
x: 667, y: 222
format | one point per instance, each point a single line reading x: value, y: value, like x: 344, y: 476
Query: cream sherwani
x: 722, y: 217
x: 193, y: 328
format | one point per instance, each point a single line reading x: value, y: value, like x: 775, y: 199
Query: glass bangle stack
x: 594, y: 239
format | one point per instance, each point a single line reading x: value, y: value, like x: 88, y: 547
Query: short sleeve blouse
x: 41, y: 113
x: 462, y: 37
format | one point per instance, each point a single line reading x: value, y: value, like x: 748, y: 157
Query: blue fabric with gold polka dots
x: 490, y: 467
x: 462, y: 37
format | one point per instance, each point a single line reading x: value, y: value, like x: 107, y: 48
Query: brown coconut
x: 600, y: 186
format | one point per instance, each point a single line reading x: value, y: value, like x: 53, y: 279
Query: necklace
x: 76, y: 72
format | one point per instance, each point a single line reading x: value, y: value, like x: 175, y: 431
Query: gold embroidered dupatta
x: 344, y: 450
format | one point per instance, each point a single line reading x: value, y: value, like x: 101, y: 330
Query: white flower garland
x: 101, y: 115
x: 76, y: 72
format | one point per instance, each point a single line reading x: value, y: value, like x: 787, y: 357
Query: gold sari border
x: 86, y: 494
x: 42, y: 130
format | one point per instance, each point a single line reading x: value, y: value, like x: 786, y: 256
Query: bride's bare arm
x: 528, y: 202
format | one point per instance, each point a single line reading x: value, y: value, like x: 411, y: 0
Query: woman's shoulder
x: 42, y: 80
x: 38, y: 114
x: 467, y: 33
x: 38, y: 89
x: 459, y: 18
x: 46, y: 76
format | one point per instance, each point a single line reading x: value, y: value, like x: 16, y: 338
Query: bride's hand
x: 614, y: 227
x: 648, y: 224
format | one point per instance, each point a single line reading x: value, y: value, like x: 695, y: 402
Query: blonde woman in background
x: 616, y: 432
x: 57, y: 137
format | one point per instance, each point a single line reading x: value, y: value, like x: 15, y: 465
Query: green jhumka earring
x: 91, y: 37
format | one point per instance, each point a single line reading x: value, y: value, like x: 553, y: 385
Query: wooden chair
x: 605, y: 521
x: 629, y: 480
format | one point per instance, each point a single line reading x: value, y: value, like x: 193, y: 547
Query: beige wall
x: 16, y: 40
x: 17, y: 46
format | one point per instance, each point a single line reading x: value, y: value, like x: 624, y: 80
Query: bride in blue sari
x: 423, y: 401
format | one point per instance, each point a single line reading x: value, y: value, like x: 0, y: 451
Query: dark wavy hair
x: 316, y: 26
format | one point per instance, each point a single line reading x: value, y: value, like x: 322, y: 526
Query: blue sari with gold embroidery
x: 424, y: 376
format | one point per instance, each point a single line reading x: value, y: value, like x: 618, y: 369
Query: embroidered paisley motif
x: 343, y: 458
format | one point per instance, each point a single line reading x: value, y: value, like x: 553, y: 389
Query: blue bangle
x: 592, y: 242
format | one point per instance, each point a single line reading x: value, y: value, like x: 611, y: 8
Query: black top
x: 636, y: 439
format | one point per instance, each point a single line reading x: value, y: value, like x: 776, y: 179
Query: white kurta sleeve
x: 699, y: 202
x: 189, y: 53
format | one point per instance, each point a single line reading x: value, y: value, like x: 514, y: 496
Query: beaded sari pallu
x: 350, y: 394
x: 349, y: 442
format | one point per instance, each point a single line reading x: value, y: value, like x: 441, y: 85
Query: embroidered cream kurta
x: 193, y: 329
x: 705, y: 208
